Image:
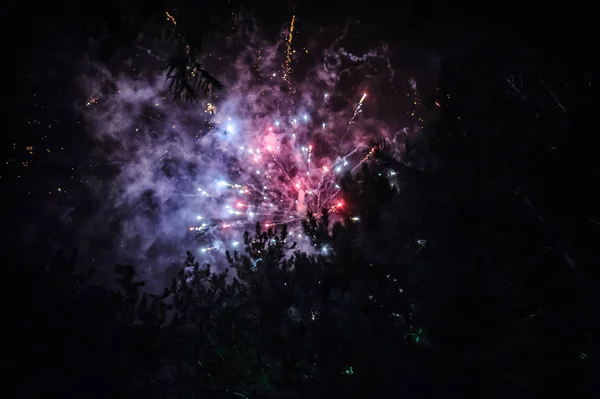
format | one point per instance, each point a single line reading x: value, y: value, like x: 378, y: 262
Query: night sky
x: 64, y: 156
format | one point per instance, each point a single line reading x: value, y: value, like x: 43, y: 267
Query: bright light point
x: 323, y: 126
x: 242, y: 148
x: 203, y: 250
x: 198, y: 217
x: 268, y: 148
x: 258, y: 172
x: 230, y: 128
x: 294, y: 121
x: 298, y: 185
x: 294, y: 135
x: 326, y: 95
x: 340, y: 204
x: 276, y: 123
x: 250, y: 214
x: 235, y: 243
x: 222, y: 183
x: 345, y: 163
x: 251, y: 151
x: 240, y: 204
x: 305, y: 117
x: 228, y: 119
x: 274, y: 74
x: 270, y: 129
x: 338, y: 169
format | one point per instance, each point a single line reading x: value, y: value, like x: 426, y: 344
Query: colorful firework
x: 281, y: 180
x: 199, y: 176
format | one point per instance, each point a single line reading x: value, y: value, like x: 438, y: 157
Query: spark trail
x: 287, y: 63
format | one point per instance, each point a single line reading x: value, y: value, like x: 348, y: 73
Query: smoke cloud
x: 177, y: 176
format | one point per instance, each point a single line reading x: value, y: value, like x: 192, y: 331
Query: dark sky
x: 413, y: 28
x: 421, y: 35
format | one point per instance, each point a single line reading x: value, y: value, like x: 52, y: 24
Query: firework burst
x: 279, y: 178
x: 200, y: 175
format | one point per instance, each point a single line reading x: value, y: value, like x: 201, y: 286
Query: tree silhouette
x: 180, y: 27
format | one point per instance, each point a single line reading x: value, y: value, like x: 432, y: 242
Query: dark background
x: 426, y: 38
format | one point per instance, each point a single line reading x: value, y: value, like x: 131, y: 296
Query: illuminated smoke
x: 195, y: 176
